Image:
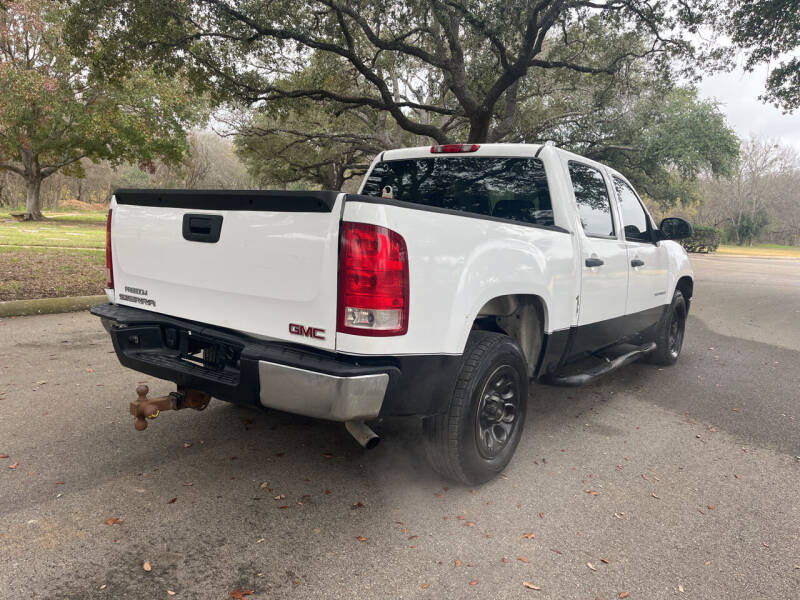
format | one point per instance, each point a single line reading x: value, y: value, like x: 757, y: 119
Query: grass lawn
x: 77, y: 230
x: 27, y: 273
x: 765, y: 250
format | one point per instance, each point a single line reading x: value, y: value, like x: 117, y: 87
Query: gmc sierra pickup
x: 457, y: 275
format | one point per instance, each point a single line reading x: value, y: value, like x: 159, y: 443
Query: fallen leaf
x: 361, y: 538
x: 173, y: 501
x: 680, y: 588
x: 41, y: 382
x: 89, y: 370
x: 556, y: 551
x: 283, y: 507
x: 591, y: 566
x: 592, y: 492
x: 170, y: 592
x: 522, y: 559
x: 413, y: 537
x: 279, y: 497
x: 259, y: 540
x: 438, y: 495
x: 357, y: 505
x: 102, y: 587
x: 238, y: 594
x: 188, y: 483
x: 146, y: 566
x: 187, y: 444
x: 619, y: 467
x: 529, y: 536
x: 328, y: 492
x: 653, y: 494
x: 280, y: 453
x: 469, y: 524
x: 264, y: 485
x: 624, y: 594
x: 234, y: 458
x: 114, y: 521
x: 459, y: 517
x: 474, y: 582
x: 13, y: 465
x: 604, y: 561
x: 424, y: 586
x: 541, y: 515
x: 3, y: 455
x: 711, y: 507
x: 248, y: 421
x: 619, y: 515
x: 327, y: 455
x: 530, y: 586
x: 458, y: 563
x: 504, y: 559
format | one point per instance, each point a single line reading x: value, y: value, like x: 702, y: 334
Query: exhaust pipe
x: 363, y: 434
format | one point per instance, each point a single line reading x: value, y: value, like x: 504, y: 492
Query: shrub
x: 704, y: 239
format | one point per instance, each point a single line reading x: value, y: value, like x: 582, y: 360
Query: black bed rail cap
x: 259, y: 200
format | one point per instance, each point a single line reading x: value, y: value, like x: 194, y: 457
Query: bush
x: 704, y: 239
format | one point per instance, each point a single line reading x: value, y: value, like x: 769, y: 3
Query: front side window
x: 591, y: 196
x: 634, y: 219
x: 506, y: 188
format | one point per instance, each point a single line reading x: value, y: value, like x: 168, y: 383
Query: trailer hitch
x: 149, y: 408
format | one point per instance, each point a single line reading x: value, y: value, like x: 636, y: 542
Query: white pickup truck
x: 457, y: 275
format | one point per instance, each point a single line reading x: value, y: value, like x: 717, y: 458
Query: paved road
x: 691, y: 471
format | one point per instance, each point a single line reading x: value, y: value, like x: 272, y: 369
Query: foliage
x: 770, y: 29
x: 54, y: 111
x: 438, y: 67
x: 704, y: 239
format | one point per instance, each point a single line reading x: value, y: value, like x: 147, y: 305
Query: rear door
x: 604, y: 261
x: 648, y: 274
x: 264, y: 263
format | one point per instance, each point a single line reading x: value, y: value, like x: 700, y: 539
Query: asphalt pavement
x: 678, y: 482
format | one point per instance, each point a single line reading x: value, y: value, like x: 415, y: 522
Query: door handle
x: 594, y: 262
x: 637, y: 263
x: 202, y: 228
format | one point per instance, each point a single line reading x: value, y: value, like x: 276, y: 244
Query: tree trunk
x: 33, y: 211
x: 479, y: 128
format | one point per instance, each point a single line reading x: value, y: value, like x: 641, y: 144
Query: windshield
x: 508, y: 188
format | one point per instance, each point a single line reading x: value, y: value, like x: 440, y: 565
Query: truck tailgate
x: 272, y: 271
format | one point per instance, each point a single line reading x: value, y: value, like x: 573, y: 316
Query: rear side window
x: 591, y: 195
x: 507, y: 188
x: 634, y: 219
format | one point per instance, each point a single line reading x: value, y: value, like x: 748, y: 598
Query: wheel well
x: 686, y: 286
x: 521, y: 317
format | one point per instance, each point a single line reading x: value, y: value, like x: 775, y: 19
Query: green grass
x: 78, y: 230
x: 765, y: 250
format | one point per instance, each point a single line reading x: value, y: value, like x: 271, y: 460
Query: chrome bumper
x: 319, y: 395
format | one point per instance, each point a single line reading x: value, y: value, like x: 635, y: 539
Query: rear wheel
x: 476, y: 438
x: 669, y: 341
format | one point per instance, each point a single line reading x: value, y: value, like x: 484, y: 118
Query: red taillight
x: 454, y: 148
x: 373, y: 281
x: 109, y: 264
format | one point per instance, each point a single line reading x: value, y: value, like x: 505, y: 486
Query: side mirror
x: 675, y: 228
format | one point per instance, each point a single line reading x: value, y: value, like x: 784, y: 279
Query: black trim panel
x: 260, y: 200
x: 447, y: 211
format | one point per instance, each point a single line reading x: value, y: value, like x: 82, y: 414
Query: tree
x: 54, y: 111
x: 463, y: 60
x: 768, y: 30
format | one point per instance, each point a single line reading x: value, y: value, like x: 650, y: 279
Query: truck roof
x: 483, y: 150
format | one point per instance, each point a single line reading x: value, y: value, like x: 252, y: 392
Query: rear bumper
x: 279, y: 375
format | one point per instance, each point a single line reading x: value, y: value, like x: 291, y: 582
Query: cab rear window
x: 507, y: 188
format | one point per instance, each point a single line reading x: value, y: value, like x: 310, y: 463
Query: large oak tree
x: 54, y: 111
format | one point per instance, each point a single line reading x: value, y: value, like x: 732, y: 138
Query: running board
x: 599, y: 371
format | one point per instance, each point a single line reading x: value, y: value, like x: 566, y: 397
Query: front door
x: 604, y: 262
x: 648, y: 274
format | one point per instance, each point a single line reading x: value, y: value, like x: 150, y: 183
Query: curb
x: 44, y: 306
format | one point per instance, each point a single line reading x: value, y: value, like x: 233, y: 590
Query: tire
x: 671, y: 332
x: 476, y: 438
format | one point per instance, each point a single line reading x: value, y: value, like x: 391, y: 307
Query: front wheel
x: 669, y: 340
x: 477, y: 436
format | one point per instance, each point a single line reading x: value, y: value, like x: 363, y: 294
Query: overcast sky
x: 738, y: 94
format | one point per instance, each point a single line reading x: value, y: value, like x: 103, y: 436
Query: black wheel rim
x: 676, y: 328
x: 497, y: 412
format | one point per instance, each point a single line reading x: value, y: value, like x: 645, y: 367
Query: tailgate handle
x: 202, y: 228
